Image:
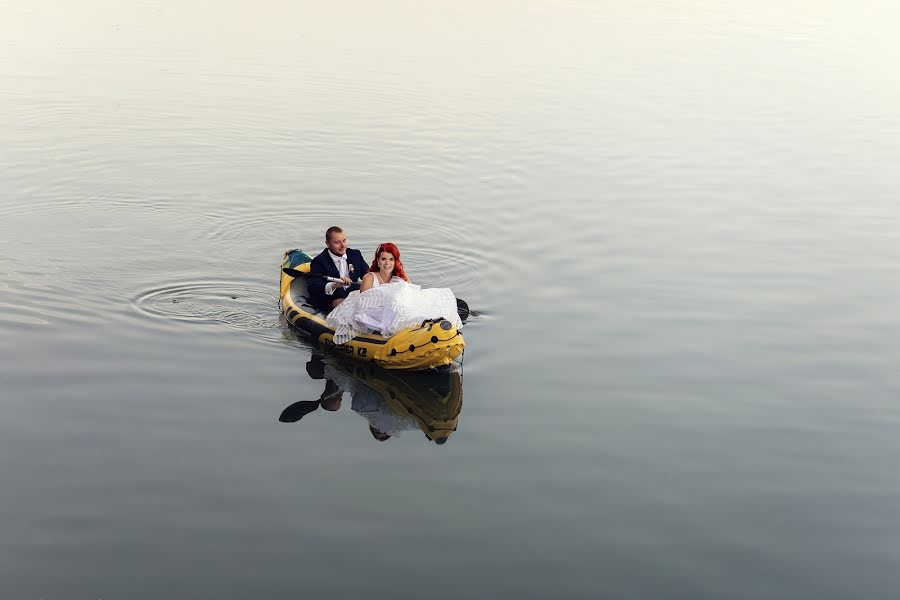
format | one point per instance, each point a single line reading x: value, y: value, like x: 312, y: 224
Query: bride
x: 387, y: 302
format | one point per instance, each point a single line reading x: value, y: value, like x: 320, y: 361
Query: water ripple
x: 37, y: 298
x: 94, y: 203
x: 242, y: 306
x: 437, y: 251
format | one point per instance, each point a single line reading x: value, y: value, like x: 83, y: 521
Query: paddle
x: 296, y: 274
x: 462, y: 308
x: 298, y: 410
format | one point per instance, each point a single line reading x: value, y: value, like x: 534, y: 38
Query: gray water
x: 678, y: 224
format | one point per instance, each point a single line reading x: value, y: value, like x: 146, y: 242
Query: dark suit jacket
x: 323, y: 265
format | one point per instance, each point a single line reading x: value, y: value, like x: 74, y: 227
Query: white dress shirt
x: 343, y: 271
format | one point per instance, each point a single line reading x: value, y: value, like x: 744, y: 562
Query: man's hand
x: 334, y: 285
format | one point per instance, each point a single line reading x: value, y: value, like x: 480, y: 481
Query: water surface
x: 677, y: 222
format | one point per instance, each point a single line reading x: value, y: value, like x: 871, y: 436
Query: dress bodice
x: 376, y: 281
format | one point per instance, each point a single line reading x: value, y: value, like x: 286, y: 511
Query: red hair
x: 395, y: 251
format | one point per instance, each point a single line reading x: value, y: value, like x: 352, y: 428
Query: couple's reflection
x: 390, y: 402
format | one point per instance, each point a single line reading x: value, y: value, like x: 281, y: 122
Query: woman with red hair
x: 387, y: 302
x: 384, y: 268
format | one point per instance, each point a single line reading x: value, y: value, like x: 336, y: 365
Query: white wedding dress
x: 390, y: 307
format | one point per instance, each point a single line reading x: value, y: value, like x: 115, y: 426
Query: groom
x: 337, y: 260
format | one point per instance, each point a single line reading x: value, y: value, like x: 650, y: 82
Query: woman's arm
x: 367, y: 280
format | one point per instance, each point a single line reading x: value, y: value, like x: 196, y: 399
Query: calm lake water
x: 678, y: 224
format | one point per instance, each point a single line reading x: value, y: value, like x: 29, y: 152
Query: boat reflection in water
x: 390, y: 401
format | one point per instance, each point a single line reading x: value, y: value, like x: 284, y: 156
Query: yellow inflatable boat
x: 433, y: 344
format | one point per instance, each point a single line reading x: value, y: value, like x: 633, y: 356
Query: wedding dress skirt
x: 389, y: 308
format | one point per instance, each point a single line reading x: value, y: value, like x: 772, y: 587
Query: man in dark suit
x: 339, y: 261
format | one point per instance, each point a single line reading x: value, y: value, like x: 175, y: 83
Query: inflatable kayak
x: 433, y: 344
